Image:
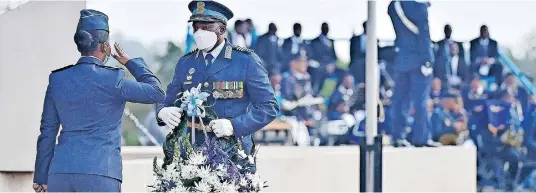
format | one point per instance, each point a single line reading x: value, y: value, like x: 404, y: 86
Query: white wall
x: 329, y: 169
x: 35, y: 39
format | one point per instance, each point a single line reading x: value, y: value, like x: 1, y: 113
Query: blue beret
x: 209, y: 11
x: 92, y: 20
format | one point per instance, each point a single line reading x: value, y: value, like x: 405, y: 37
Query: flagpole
x: 371, y: 90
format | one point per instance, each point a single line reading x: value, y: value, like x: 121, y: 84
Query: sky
x: 162, y: 20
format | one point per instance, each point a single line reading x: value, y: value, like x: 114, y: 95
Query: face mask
x: 205, y: 40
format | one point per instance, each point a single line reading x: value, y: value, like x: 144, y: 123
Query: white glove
x: 310, y: 100
x: 426, y: 70
x: 484, y: 70
x: 288, y: 105
x: 454, y: 80
x: 171, y: 116
x: 222, y: 127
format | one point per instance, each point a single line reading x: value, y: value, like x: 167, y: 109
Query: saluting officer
x: 88, y: 99
x: 413, y: 67
x: 244, y: 99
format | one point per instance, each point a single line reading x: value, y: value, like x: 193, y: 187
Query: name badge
x: 228, y: 89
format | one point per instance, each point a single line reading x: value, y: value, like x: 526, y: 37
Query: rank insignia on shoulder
x: 228, y: 89
x: 62, y: 68
x: 191, y: 52
x: 242, y: 49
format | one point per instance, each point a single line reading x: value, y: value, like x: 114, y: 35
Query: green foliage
x: 168, y: 62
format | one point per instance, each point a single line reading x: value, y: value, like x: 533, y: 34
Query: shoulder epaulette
x: 111, y: 67
x: 191, y: 52
x: 242, y: 49
x: 62, y: 68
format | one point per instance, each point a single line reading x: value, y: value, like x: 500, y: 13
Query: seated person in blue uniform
x: 275, y: 81
x: 475, y: 91
x: 436, y: 92
x: 298, y: 97
x: 88, y: 100
x: 449, y: 122
x: 337, y: 105
x: 510, y: 84
x: 507, y: 133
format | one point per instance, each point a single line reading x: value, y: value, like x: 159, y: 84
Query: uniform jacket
x: 88, y: 99
x: 412, y: 40
x: 249, y: 111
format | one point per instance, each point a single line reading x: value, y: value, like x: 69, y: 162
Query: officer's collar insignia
x: 228, y: 52
x: 191, y: 71
x: 495, y: 109
x: 200, y: 7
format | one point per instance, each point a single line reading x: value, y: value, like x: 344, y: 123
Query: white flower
x: 251, y: 160
x: 203, y: 172
x: 180, y: 189
x: 203, y: 186
x: 221, y: 170
x: 256, y: 181
x: 197, y: 158
x: 243, y: 182
x: 213, y: 180
x: 188, y: 171
x: 169, y: 174
x: 241, y: 153
x: 227, y: 187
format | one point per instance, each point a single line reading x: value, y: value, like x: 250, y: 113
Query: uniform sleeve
x: 146, y: 89
x: 46, y: 142
x: 264, y: 107
x: 171, y: 93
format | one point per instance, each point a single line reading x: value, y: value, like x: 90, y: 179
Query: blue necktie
x: 208, y: 59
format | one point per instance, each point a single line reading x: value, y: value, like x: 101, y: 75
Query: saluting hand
x: 121, y: 56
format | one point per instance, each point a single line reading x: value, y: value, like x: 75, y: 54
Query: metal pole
x: 372, y: 91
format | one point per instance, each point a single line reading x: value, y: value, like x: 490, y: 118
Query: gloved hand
x: 171, y: 116
x: 288, y: 105
x: 221, y: 127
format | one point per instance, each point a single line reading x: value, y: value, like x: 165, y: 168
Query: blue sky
x: 161, y: 20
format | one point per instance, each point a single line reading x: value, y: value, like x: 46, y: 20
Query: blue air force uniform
x: 413, y: 67
x: 295, y: 86
x: 241, y: 90
x: 88, y: 99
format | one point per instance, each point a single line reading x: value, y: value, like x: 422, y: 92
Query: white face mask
x: 205, y: 40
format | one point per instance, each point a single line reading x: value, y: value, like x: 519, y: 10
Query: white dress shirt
x: 214, y: 52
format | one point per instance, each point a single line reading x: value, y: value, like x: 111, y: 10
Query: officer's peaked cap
x: 209, y: 11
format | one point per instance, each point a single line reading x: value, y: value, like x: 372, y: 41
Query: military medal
x: 189, y: 77
x: 191, y: 71
x: 205, y: 84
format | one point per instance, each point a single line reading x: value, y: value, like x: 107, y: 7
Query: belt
x: 198, y: 127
